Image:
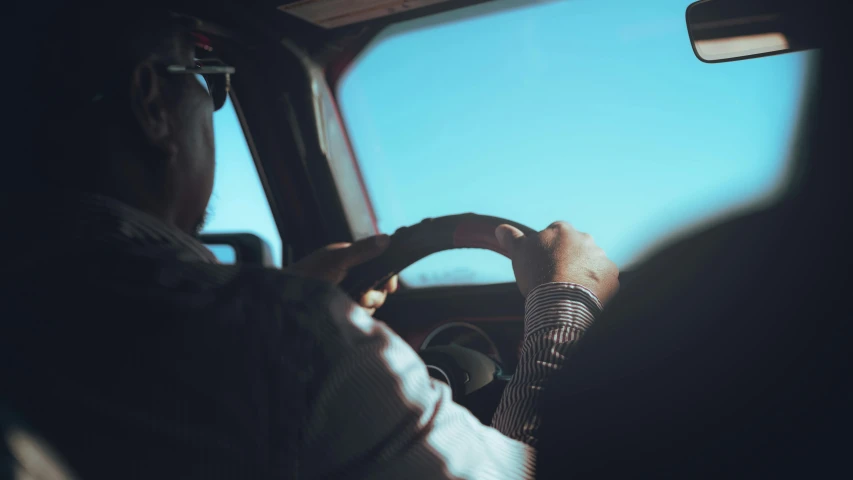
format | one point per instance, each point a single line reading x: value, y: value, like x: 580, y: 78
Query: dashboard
x: 499, y: 338
x: 487, y: 320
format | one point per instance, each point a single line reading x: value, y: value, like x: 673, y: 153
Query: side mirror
x: 243, y: 248
x: 727, y: 30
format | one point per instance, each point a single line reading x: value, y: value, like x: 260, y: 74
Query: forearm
x: 556, y: 316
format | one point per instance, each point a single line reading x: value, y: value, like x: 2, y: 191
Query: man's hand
x: 332, y: 262
x: 559, y: 254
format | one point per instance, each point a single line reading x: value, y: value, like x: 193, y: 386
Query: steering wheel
x: 465, y: 370
x: 433, y: 235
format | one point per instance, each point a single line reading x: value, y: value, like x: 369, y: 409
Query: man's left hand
x: 332, y: 262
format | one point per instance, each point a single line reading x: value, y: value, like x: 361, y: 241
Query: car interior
x: 291, y: 58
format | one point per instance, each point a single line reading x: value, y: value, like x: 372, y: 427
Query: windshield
x: 595, y: 112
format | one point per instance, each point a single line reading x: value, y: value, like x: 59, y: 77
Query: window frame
x: 272, y: 95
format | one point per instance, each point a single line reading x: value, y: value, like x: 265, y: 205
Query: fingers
x: 373, y: 299
x: 345, y: 256
x: 336, y: 246
x: 509, y: 237
x: 391, y: 285
x: 561, y: 227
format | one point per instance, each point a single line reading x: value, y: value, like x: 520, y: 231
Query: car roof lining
x: 337, y: 14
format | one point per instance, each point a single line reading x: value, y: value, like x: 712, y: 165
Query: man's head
x: 118, y: 120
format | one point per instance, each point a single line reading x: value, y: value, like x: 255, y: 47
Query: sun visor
x: 339, y: 13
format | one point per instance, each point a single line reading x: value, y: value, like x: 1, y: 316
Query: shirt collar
x: 98, y: 219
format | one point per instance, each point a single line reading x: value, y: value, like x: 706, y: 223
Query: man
x: 138, y: 356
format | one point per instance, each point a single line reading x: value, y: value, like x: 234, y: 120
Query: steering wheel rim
x: 411, y: 244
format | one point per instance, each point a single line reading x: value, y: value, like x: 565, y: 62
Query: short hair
x: 95, y: 42
x: 89, y: 52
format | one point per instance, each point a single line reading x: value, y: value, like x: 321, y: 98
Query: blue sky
x: 591, y: 111
x: 238, y: 204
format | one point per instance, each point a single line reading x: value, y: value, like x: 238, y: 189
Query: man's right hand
x: 559, y: 254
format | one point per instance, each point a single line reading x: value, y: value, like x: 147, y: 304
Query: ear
x: 150, y: 107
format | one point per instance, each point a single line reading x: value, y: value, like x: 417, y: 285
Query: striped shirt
x: 300, y: 381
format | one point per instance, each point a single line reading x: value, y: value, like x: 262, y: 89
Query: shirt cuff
x: 560, y: 304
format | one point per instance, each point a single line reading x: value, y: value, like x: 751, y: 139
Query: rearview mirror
x: 727, y: 30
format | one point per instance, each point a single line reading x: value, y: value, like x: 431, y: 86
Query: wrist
x: 560, y: 304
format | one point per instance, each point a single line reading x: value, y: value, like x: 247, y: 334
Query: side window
x: 239, y: 203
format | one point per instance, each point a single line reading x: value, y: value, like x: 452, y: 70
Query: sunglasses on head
x: 213, y: 75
